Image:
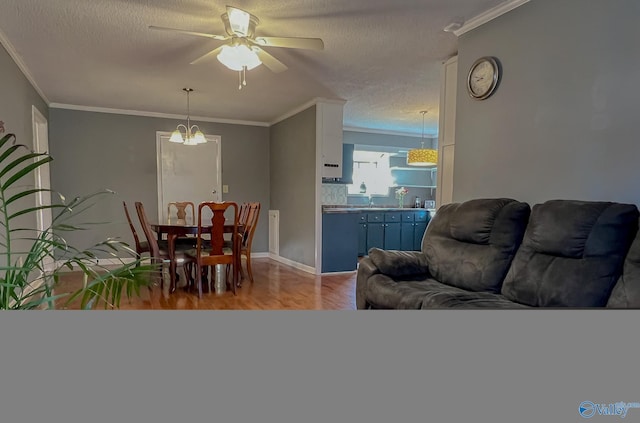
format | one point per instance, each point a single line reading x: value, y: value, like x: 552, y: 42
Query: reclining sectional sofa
x: 501, y: 253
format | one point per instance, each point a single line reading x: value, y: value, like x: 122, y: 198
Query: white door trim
x: 44, y: 218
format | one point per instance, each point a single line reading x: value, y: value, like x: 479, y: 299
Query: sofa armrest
x: 395, y: 264
x: 366, y: 269
x: 399, y: 264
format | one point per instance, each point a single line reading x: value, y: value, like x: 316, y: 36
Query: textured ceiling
x: 382, y: 57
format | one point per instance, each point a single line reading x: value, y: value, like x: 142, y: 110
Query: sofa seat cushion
x: 385, y: 292
x: 572, y: 253
x: 462, y: 299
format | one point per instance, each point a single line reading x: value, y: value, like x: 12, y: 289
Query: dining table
x: 179, y: 229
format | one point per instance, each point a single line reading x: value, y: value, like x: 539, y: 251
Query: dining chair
x: 181, y: 211
x: 141, y: 246
x: 160, y: 251
x: 214, y: 252
x: 251, y: 221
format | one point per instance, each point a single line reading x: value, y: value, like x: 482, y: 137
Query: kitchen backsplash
x: 334, y: 194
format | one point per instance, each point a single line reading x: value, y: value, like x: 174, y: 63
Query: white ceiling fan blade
x: 198, y: 34
x: 275, y: 65
x: 291, y: 42
x: 207, y: 56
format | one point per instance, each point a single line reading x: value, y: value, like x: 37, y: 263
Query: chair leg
x: 248, y: 255
x: 199, y: 280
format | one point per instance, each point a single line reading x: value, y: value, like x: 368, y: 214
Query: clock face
x: 483, y: 78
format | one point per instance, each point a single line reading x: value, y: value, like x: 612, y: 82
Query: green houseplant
x: 25, y: 283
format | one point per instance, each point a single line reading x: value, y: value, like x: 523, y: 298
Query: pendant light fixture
x: 192, y: 134
x: 422, y: 156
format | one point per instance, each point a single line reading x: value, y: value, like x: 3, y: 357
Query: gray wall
x: 293, y: 181
x: 93, y: 151
x: 17, y: 96
x: 564, y: 121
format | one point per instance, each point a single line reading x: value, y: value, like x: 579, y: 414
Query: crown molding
x: 154, y: 114
x: 21, y: 65
x: 488, y: 15
x: 388, y: 132
x: 305, y: 106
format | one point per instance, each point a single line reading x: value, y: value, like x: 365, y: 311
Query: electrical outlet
x: 225, y: 189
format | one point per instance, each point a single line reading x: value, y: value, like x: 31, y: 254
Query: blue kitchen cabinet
x: 362, y: 235
x: 407, y: 241
x: 339, y: 242
x: 422, y: 218
x: 392, y: 228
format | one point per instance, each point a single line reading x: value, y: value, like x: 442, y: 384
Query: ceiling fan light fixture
x: 239, y: 57
x: 239, y: 20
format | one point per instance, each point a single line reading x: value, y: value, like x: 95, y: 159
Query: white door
x: 188, y: 173
x: 42, y: 177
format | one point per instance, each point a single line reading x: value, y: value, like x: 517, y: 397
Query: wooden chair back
x: 181, y: 211
x: 148, y: 232
x: 250, y: 225
x: 214, y: 252
x: 140, y: 247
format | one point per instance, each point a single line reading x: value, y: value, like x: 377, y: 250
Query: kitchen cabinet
x: 375, y: 230
x: 391, y: 230
x: 339, y: 242
x: 421, y: 221
x: 347, y: 167
x: 392, y: 227
x: 362, y: 235
x: 329, y: 136
x: 413, y: 226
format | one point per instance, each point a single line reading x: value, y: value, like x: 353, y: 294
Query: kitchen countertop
x: 360, y: 209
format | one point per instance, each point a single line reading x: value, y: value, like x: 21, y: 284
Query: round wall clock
x: 483, y: 78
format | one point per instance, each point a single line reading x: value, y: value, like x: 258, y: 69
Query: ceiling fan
x: 243, y: 50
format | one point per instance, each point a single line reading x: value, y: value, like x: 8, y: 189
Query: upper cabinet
x: 347, y: 167
x: 329, y: 136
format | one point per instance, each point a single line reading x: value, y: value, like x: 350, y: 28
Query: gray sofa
x: 501, y: 253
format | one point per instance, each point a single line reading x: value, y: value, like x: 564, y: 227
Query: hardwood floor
x: 276, y: 287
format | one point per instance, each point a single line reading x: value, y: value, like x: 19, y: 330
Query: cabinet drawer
x: 393, y: 217
x: 422, y: 216
x: 407, y: 216
x: 375, y: 217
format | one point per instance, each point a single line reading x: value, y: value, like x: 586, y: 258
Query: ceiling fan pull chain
x: 244, y: 75
x: 239, y: 80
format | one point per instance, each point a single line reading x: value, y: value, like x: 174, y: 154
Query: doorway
x: 44, y: 217
x: 188, y: 173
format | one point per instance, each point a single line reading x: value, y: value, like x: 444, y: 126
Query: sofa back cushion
x: 470, y: 245
x: 626, y: 292
x: 572, y: 253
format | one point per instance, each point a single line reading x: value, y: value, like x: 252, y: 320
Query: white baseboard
x: 292, y: 263
x: 348, y: 272
x: 97, y: 262
x: 260, y: 255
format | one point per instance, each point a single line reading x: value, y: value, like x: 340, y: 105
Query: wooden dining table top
x: 187, y: 228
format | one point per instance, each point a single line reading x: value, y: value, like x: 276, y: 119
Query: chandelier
x: 422, y: 156
x: 192, y: 134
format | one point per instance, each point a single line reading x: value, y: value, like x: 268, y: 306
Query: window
x: 371, y: 168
